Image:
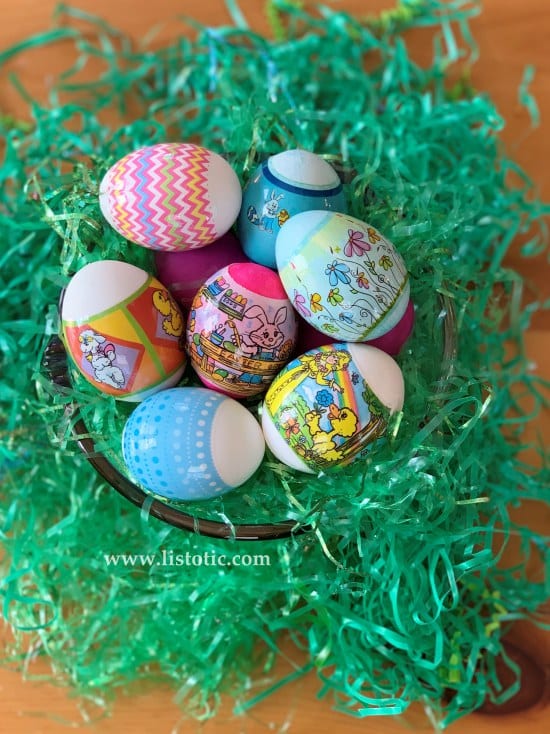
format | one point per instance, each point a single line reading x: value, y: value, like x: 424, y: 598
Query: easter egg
x: 327, y: 406
x: 287, y: 183
x: 171, y: 196
x: 342, y: 275
x: 392, y: 342
x: 241, y: 329
x: 183, y: 273
x: 189, y: 443
x: 123, y: 330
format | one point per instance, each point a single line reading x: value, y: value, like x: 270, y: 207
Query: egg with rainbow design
x: 329, y: 405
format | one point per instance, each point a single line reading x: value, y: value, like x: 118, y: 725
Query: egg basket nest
x: 393, y: 591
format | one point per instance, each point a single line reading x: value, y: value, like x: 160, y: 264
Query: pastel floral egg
x: 327, y: 406
x: 123, y: 330
x: 183, y: 273
x: 287, y: 183
x: 171, y: 196
x: 342, y: 275
x: 189, y: 443
x: 241, y: 329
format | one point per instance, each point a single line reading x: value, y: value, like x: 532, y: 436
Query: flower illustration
x: 354, y: 378
x: 362, y: 280
x: 337, y: 272
x: 300, y: 303
x: 373, y: 235
x: 291, y: 427
x: 334, y: 296
x: 386, y: 262
x: 345, y: 317
x: 324, y: 398
x: 355, y: 245
x: 315, y: 303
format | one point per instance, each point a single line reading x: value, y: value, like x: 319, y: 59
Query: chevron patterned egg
x: 171, y: 196
x: 123, y: 330
x: 326, y: 407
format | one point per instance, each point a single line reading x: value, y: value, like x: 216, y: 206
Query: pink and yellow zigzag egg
x: 171, y: 196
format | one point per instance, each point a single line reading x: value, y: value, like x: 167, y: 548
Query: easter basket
x: 113, y: 469
x: 386, y: 574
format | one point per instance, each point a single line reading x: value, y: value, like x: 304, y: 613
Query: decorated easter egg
x: 327, y: 406
x: 123, y: 330
x: 189, y: 443
x: 342, y: 275
x: 391, y: 342
x: 183, y: 273
x: 171, y: 196
x: 287, y: 183
x: 241, y: 329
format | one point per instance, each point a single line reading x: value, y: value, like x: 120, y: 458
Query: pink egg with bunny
x: 241, y: 330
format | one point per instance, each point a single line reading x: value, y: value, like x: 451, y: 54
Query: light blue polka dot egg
x: 190, y: 443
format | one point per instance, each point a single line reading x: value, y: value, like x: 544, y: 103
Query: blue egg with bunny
x: 285, y: 184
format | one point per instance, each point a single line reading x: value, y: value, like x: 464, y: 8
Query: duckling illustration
x: 343, y: 422
x: 172, y: 323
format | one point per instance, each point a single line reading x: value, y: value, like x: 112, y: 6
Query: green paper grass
x: 395, y: 595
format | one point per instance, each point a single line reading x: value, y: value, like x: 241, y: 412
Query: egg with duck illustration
x: 189, y: 443
x: 171, y: 196
x: 329, y: 405
x: 284, y: 185
x: 342, y: 275
x: 241, y: 329
x: 123, y: 330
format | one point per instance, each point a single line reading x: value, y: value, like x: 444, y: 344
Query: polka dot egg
x: 191, y: 444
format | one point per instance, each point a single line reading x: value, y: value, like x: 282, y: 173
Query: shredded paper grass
x: 395, y: 593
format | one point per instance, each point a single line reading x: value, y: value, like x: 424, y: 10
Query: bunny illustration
x: 264, y: 341
x: 101, y: 355
x: 270, y: 211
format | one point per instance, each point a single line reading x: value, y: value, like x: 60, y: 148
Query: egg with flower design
x: 342, y: 275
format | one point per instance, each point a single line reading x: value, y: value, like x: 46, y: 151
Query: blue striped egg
x: 286, y: 184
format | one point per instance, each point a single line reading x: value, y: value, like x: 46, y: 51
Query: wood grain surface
x: 510, y: 35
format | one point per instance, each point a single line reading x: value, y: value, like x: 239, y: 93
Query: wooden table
x: 510, y: 34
